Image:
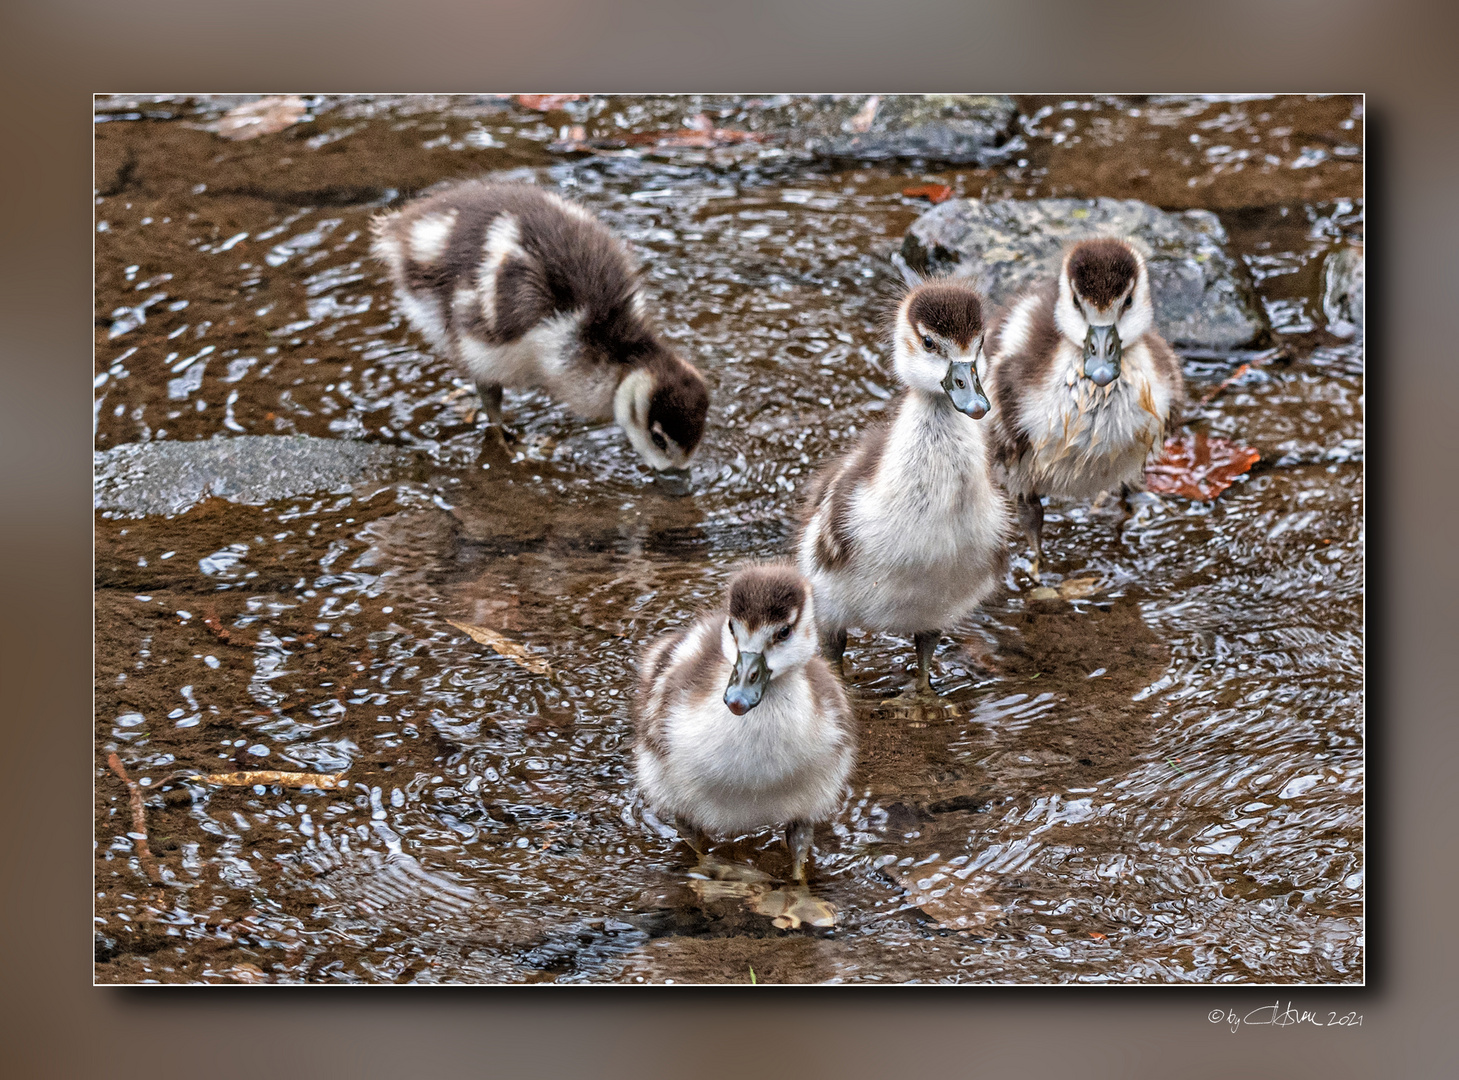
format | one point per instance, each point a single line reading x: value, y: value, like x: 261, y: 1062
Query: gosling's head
x: 771, y: 630
x: 937, y: 343
x: 1104, y: 301
x: 661, y: 405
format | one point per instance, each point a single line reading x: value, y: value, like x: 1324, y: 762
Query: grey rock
x: 169, y: 477
x: 953, y: 128
x: 1343, y: 291
x: 1202, y: 299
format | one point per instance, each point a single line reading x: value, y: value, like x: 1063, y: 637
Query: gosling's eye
x: 929, y: 344
x: 782, y: 633
x: 1129, y: 301
x: 659, y: 441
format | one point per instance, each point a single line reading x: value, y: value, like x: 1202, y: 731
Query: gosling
x: 521, y: 288
x: 1084, y: 388
x: 740, y: 723
x: 908, y: 532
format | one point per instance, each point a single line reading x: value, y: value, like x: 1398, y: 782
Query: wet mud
x: 1158, y: 778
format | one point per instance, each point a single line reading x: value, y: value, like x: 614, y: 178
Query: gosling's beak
x: 1102, y: 351
x: 747, y: 684
x: 963, y: 388
x: 673, y: 481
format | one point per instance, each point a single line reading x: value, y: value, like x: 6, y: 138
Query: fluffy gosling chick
x: 907, y: 532
x: 740, y: 723
x: 522, y: 288
x: 1084, y: 388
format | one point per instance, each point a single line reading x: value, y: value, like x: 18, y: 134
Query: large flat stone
x: 1202, y: 297
x: 169, y: 477
x: 953, y: 128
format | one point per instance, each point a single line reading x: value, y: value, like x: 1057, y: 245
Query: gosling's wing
x: 683, y: 668
x: 1021, y: 345
x: 832, y: 704
x: 1167, y: 370
x: 830, y: 499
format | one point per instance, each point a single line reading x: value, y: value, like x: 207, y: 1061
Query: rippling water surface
x: 1160, y: 781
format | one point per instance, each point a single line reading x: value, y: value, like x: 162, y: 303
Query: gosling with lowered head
x: 521, y: 288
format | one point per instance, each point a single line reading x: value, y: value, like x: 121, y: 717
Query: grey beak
x: 963, y: 388
x: 747, y: 684
x: 1102, y: 351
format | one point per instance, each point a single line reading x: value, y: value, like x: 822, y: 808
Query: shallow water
x: 1161, y: 781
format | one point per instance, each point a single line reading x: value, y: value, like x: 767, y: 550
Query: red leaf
x: 931, y: 192
x: 1198, y: 466
x: 547, y: 102
x: 1096, y: 935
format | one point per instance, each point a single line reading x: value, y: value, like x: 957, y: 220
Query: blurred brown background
x: 54, y: 55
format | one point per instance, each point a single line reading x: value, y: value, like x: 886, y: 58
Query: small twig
x: 139, y: 822
x: 1260, y: 360
x: 223, y: 634
x: 1233, y: 377
x: 324, y: 781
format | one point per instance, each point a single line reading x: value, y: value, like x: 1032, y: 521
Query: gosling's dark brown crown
x: 1101, y: 270
x: 947, y: 309
x: 765, y: 595
x: 680, y: 401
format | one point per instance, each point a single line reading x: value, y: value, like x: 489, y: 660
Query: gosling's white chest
x: 731, y: 774
x: 927, y: 533
x: 1084, y: 439
x: 763, y: 748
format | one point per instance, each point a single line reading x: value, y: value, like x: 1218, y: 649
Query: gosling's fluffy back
x: 517, y: 255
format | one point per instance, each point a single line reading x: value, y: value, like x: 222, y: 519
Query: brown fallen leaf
x: 245, y: 973
x: 547, y: 102
x: 1198, y: 466
x: 953, y: 898
x: 786, y: 907
x: 327, y: 781
x: 503, y: 646
x: 262, y: 117
x: 1079, y: 587
x: 934, y: 193
x: 1096, y: 935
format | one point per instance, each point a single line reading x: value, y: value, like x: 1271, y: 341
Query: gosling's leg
x: 926, y: 642
x: 833, y: 648
x: 1127, y: 511
x: 798, y: 836
x: 491, y: 400
x: 1031, y: 516
x: 694, y: 837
